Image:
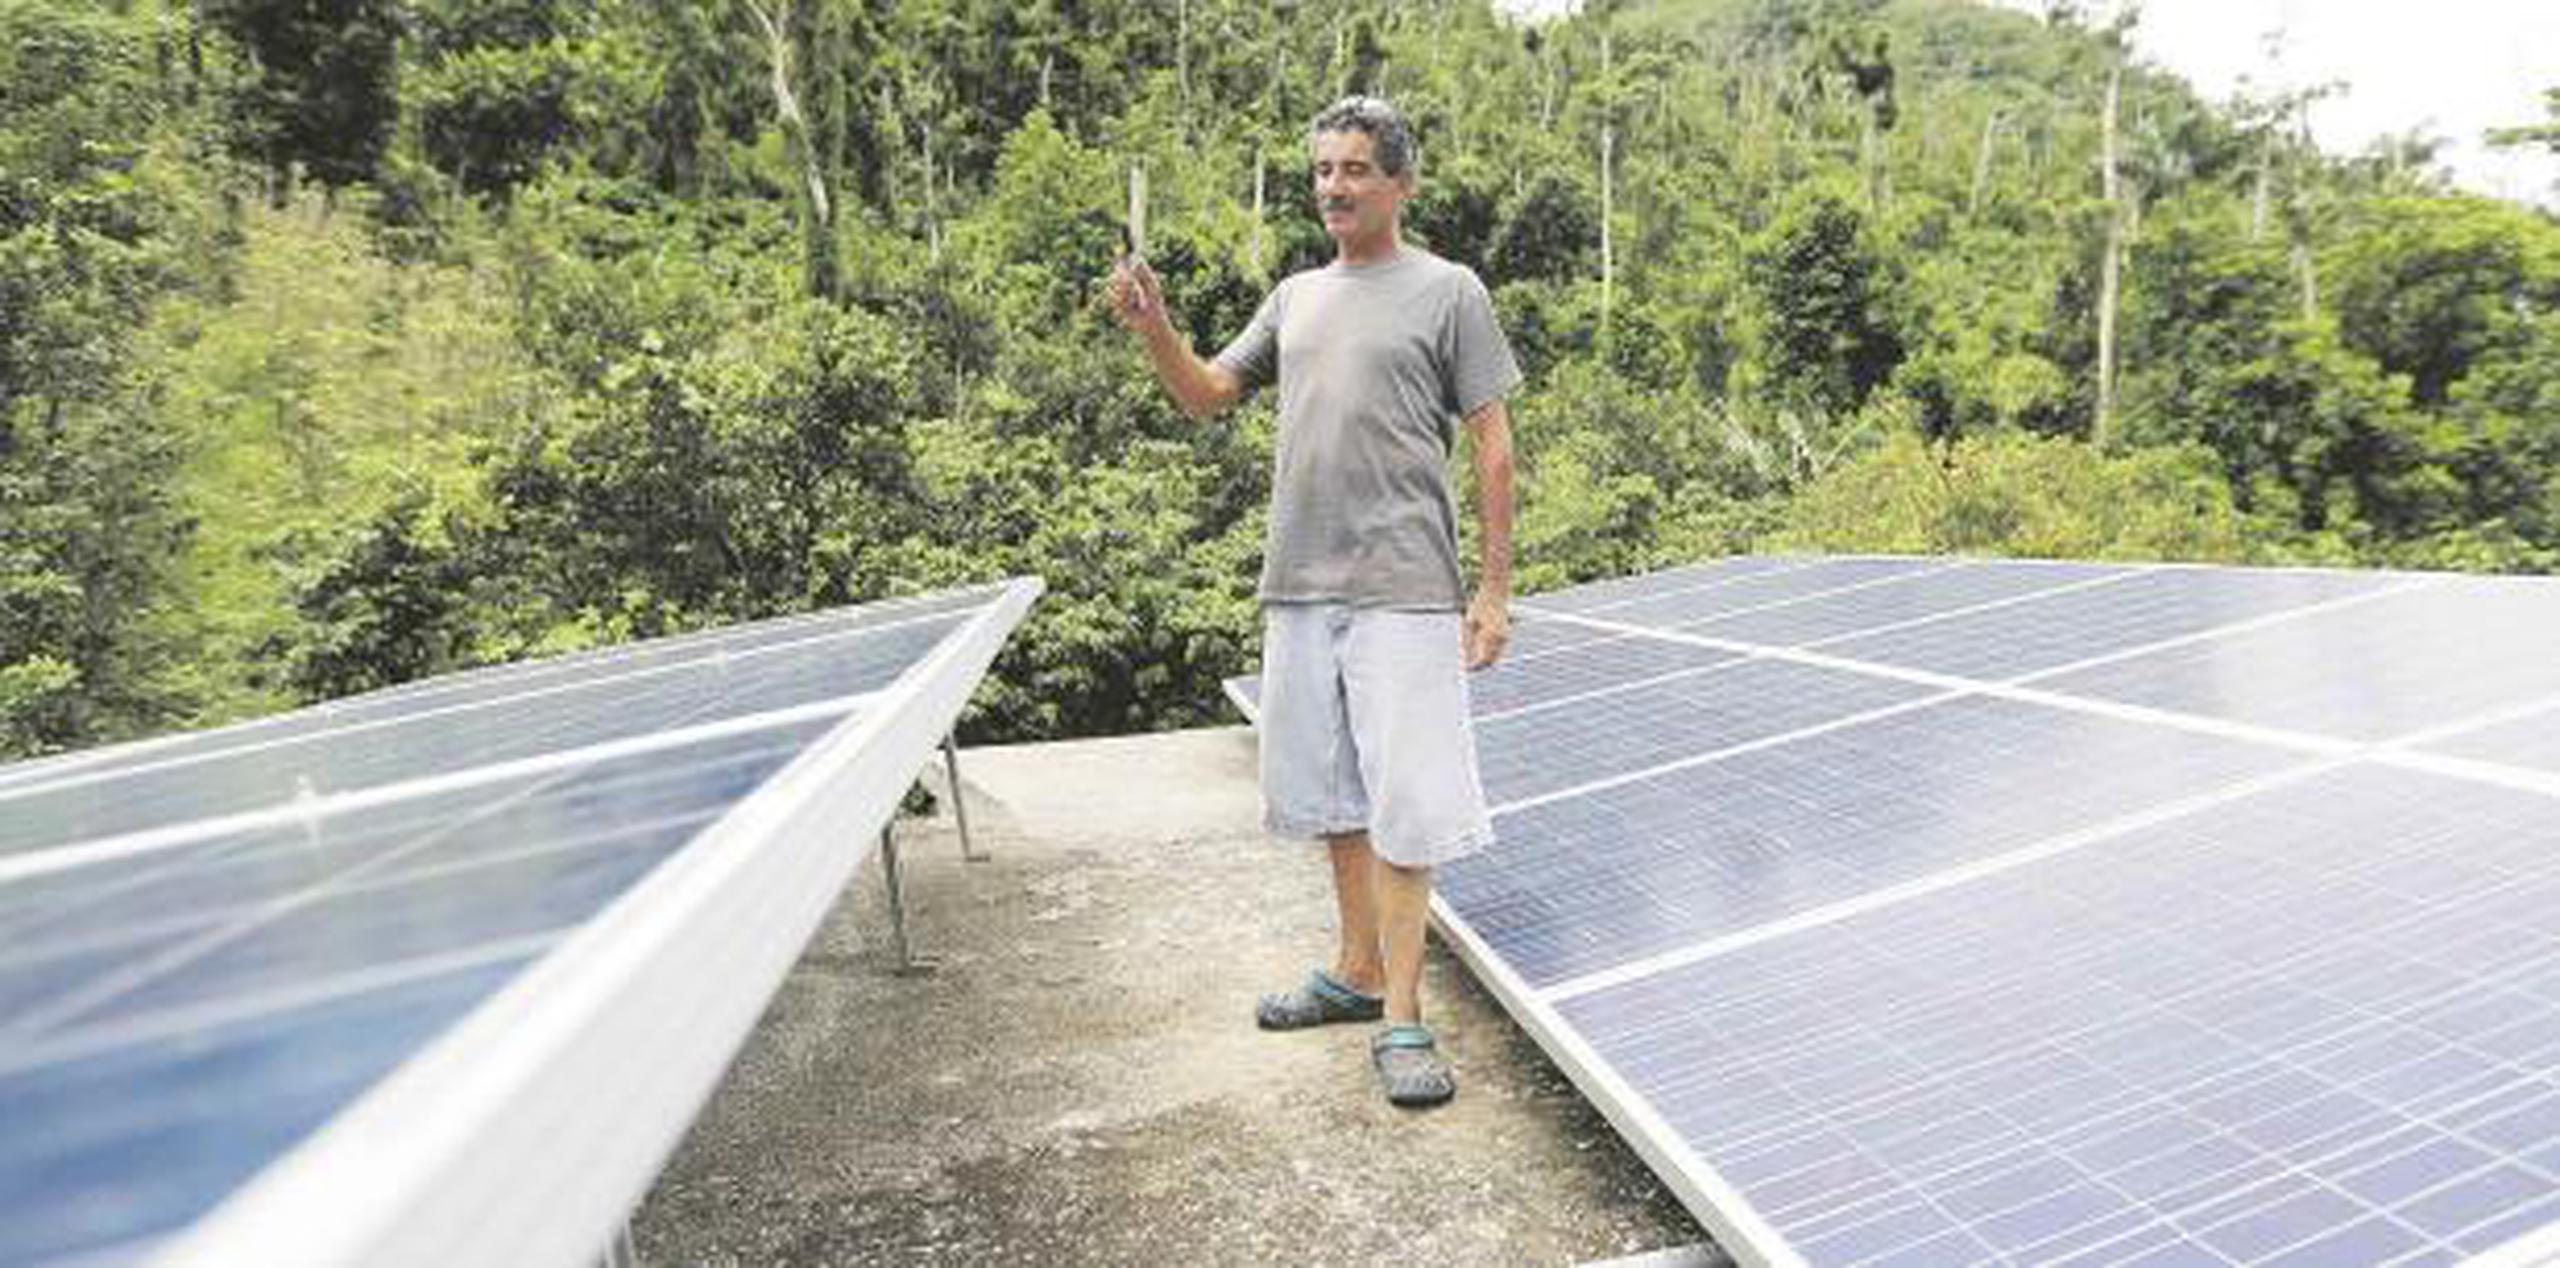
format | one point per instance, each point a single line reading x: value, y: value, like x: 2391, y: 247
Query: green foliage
x: 2427, y: 286
x: 383, y: 605
x: 1819, y: 292
x: 321, y: 93
x: 586, y: 340
x: 327, y: 387
x: 99, y: 219
x: 2018, y: 495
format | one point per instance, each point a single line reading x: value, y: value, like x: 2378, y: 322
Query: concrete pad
x: 1080, y: 1080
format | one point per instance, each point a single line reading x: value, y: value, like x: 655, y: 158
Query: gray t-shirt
x: 1376, y: 364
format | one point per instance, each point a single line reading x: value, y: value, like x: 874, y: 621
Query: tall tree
x: 2111, y: 263
x: 323, y: 86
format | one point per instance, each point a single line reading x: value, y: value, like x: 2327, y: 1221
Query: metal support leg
x: 908, y: 961
x: 959, y: 806
x: 620, y: 1252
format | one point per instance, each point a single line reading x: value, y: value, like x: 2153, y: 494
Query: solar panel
x: 2530, y: 739
x: 440, y: 975
x: 1987, y: 912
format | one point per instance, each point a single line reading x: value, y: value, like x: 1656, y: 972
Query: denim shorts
x: 1364, y: 727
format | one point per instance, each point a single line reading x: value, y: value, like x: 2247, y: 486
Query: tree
x: 94, y: 227
x: 2545, y: 134
x: 1820, y: 291
x: 323, y: 87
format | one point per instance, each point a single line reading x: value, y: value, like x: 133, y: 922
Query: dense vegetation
x: 345, y: 341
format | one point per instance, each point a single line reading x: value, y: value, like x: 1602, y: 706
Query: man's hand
x: 1136, y: 299
x: 1488, y: 628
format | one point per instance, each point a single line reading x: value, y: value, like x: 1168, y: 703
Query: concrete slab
x: 1080, y: 1082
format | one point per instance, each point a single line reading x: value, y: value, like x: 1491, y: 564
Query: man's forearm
x: 1192, y: 382
x: 1493, y: 518
x: 1493, y: 500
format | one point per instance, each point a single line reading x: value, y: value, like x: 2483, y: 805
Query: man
x: 1365, y: 739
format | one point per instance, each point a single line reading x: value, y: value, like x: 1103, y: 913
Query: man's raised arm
x: 1201, y: 388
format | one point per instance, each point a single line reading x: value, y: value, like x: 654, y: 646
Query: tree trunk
x: 2100, y: 431
x: 1608, y: 212
x: 821, y: 223
x: 1608, y: 186
x: 2258, y: 190
x: 1982, y: 165
x: 1256, y: 248
x: 2303, y: 268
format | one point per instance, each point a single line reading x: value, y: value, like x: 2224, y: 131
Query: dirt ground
x: 1079, y: 1080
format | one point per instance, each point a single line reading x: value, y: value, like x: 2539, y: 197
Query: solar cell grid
x: 1533, y: 636
x: 188, y: 886
x: 410, y: 703
x: 2090, y: 1055
x: 1902, y: 599
x: 1545, y: 750
x: 1616, y: 664
x: 136, y: 1142
x: 2399, y: 664
x: 544, y: 856
x: 203, y: 786
x: 1666, y: 861
x: 2531, y: 741
x: 1747, y: 593
x: 2046, y: 633
x: 1583, y: 598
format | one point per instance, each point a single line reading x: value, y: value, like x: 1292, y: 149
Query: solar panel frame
x: 524, y: 1132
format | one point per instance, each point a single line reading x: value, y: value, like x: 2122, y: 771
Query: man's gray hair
x: 1389, y: 139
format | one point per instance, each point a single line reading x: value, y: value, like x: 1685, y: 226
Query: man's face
x: 1357, y: 200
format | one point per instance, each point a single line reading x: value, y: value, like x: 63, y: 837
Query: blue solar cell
x: 2377, y: 670
x: 300, y: 903
x: 105, y: 1154
x: 1602, y: 878
x: 1616, y: 663
x: 1727, y: 597
x: 594, y: 710
x: 1543, y: 750
x: 1596, y: 594
x: 2531, y: 741
x: 2045, y: 633
x: 1534, y: 635
x: 1798, y: 622
x: 465, y: 690
x: 2009, y: 1054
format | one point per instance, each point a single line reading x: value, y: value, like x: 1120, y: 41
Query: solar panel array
x: 1920, y: 911
x: 436, y: 974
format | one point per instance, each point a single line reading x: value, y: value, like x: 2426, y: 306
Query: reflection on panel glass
x: 2397, y: 665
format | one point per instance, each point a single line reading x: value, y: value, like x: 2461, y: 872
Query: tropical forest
x: 347, y: 342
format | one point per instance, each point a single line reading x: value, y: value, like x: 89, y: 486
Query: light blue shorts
x: 1364, y: 727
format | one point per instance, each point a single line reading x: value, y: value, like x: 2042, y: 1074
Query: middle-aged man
x: 1365, y: 739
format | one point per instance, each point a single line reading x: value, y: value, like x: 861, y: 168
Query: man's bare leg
x: 1404, y: 912
x: 1357, y: 963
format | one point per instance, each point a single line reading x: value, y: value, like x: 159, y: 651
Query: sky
x: 2450, y: 68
